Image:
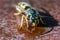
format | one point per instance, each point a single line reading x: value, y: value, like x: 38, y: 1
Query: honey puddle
x: 38, y: 31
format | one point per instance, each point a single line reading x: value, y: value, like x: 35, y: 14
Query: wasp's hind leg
x: 42, y: 21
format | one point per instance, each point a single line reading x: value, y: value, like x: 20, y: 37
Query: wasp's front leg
x: 19, y: 13
x: 21, y: 26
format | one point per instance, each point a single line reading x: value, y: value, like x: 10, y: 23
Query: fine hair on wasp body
x: 31, y: 16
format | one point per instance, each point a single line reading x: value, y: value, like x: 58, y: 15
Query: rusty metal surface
x: 8, y: 25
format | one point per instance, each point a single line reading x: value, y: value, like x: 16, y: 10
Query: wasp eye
x: 23, y: 4
x: 26, y: 7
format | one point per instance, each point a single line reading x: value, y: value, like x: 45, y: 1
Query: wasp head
x: 23, y: 5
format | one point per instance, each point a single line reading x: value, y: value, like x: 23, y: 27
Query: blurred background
x: 8, y: 22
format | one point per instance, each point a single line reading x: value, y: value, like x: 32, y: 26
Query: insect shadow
x: 48, y: 20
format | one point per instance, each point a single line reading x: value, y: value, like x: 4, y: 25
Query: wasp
x: 30, y: 14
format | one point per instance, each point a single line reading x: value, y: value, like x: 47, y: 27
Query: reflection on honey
x: 38, y: 31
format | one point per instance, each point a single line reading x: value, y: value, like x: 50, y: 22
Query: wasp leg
x: 42, y: 21
x: 26, y: 21
x: 35, y: 25
x: 16, y: 14
x: 22, y: 22
x: 19, y: 13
